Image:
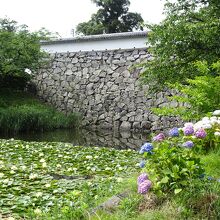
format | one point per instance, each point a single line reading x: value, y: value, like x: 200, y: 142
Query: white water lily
x: 89, y: 157
x: 23, y: 167
x: 14, y: 167
x: 42, y: 160
x: 47, y: 185
x: 5, y: 181
x: 33, y: 176
x: 38, y: 194
x: 44, y: 165
x: 37, y: 211
x: 93, y: 169
x: 119, y: 179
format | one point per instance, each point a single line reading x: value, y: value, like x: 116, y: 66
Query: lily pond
x: 38, y: 176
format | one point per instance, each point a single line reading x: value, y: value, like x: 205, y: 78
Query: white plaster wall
x: 106, y: 44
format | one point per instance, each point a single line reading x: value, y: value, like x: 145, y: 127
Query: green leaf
x: 176, y: 191
x: 165, y: 179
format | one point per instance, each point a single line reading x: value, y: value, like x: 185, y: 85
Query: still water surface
x: 119, y: 140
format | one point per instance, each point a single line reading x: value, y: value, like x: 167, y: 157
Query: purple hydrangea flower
x: 142, y: 178
x: 201, y: 133
x: 188, y: 130
x: 159, y: 137
x: 142, y: 164
x: 188, y: 144
x: 174, y: 132
x: 144, y: 187
x: 147, y: 147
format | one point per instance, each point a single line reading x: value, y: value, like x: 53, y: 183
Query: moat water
x: 119, y: 140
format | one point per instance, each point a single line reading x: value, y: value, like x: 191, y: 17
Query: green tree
x: 189, y: 33
x: 112, y: 17
x: 199, y: 96
x: 19, y: 50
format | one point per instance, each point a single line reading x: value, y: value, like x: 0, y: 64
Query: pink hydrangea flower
x: 188, y: 129
x: 200, y: 133
x: 142, y: 178
x: 159, y: 137
x: 144, y: 187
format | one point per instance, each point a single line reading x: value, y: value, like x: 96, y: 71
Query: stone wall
x: 103, y: 87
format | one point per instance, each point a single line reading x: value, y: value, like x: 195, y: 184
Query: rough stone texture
x: 103, y: 86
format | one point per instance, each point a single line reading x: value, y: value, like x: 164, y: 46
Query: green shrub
x: 198, y: 97
x: 171, y: 167
x: 33, y: 117
x: 174, y: 162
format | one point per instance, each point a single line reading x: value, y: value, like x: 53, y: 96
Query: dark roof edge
x: 97, y: 37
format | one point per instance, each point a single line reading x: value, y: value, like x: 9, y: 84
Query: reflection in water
x: 119, y: 140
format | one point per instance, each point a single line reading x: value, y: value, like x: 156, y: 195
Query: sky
x: 63, y: 16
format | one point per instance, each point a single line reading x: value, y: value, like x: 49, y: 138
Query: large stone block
x: 125, y: 125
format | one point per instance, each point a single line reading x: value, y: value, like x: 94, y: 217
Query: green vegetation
x: 112, y: 17
x: 19, y: 51
x: 31, y: 176
x: 185, y: 47
x: 188, y: 34
x: 183, y: 167
x: 20, y: 111
x: 200, y: 95
x: 61, y: 181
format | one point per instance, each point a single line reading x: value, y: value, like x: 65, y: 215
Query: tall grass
x: 20, y: 111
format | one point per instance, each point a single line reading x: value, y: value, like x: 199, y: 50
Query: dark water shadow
x: 119, y: 140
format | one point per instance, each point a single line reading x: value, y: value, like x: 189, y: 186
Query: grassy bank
x: 20, y: 111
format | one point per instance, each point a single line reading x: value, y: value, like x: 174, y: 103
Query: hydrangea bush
x: 171, y: 163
